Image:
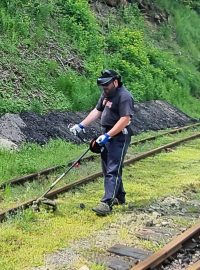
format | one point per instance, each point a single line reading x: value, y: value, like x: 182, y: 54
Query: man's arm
x: 119, y: 126
x: 92, y: 116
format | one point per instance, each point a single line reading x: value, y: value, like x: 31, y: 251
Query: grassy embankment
x: 51, y: 54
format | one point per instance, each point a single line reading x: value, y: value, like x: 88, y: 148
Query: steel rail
x: 175, y: 130
x: 50, y: 195
x: 54, y: 193
x: 36, y: 176
x: 29, y: 177
x: 159, y: 149
x: 195, y: 266
x: 33, y: 176
x: 171, y: 248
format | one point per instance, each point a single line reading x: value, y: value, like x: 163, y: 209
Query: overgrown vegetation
x: 52, y: 52
x: 26, y: 238
x: 194, y: 4
x: 32, y: 158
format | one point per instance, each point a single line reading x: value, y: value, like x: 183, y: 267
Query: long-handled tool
x: 42, y: 200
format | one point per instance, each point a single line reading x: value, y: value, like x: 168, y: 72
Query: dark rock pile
x: 31, y: 127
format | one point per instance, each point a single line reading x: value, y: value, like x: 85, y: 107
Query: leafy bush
x: 78, y: 90
x: 81, y: 25
x: 38, y: 39
x: 194, y: 4
x: 12, y: 105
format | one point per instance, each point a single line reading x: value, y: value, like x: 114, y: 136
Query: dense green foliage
x: 193, y: 4
x: 52, y: 52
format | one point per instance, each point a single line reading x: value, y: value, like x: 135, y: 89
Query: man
x: 115, y: 110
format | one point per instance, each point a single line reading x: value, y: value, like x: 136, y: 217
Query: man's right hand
x: 77, y: 129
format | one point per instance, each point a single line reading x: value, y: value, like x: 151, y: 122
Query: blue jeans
x: 112, y: 159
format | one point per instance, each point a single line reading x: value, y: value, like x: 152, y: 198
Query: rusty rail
x: 195, y: 266
x: 166, y: 133
x: 36, y: 176
x: 92, y: 177
x: 159, y: 149
x: 45, y: 172
x: 168, y: 250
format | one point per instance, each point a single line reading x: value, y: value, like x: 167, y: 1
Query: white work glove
x: 103, y: 139
x: 77, y: 129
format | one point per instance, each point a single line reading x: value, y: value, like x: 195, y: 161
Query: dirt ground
x: 160, y: 215
x: 31, y: 127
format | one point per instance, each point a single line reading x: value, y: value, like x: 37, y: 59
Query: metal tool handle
x: 62, y: 175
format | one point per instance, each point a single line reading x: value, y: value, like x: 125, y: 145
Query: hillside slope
x: 52, y: 52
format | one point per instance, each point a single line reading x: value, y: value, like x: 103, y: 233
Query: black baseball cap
x: 107, y: 76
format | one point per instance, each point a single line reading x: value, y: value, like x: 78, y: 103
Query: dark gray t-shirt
x: 113, y: 108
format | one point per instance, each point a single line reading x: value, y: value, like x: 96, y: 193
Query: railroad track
x: 45, y: 172
x: 195, y: 266
x: 177, y: 254
x: 171, y: 249
x: 56, y: 192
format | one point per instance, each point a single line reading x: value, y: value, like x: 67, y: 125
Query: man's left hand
x: 103, y: 139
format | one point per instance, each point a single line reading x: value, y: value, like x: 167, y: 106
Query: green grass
x: 50, y: 53
x: 136, y: 149
x: 169, y: 164
x: 18, y: 194
x: 38, y: 156
x: 28, y: 236
x: 53, y: 154
x: 32, y: 158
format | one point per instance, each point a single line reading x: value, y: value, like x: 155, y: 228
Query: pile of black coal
x: 31, y: 127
